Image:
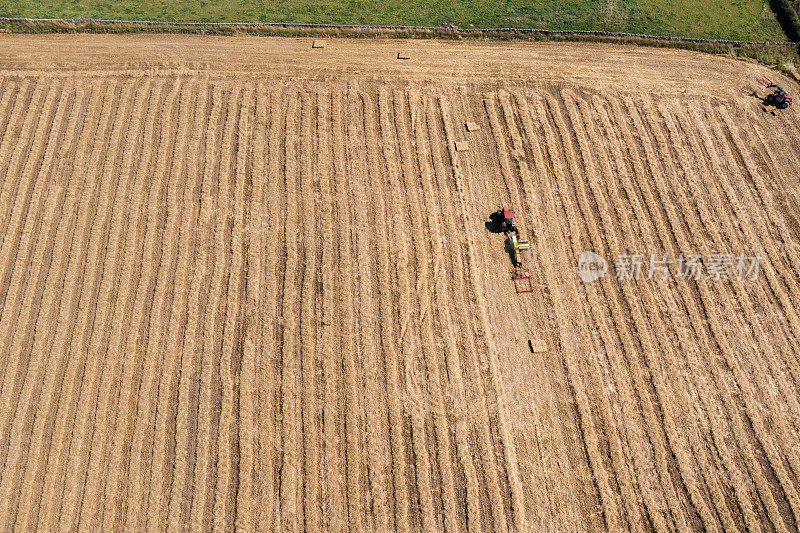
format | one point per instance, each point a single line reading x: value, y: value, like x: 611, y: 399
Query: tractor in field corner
x: 504, y: 218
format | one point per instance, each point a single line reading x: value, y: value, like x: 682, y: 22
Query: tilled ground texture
x: 244, y: 284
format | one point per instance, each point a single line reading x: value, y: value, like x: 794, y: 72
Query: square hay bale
x: 318, y: 44
x: 402, y: 54
x: 472, y: 126
x: 462, y: 146
x: 537, y: 345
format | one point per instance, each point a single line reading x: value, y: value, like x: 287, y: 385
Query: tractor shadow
x: 495, y: 223
x: 766, y: 101
x: 509, y: 249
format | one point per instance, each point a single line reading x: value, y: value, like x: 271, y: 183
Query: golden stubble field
x: 247, y: 285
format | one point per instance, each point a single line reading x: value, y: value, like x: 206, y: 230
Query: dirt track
x: 244, y: 283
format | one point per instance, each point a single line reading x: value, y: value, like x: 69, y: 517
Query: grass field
x: 722, y: 19
x: 232, y: 297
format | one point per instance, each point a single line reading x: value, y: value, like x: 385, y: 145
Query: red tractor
x: 505, y: 216
x: 521, y: 276
x: 779, y: 97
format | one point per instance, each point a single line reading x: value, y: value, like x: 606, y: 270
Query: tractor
x: 505, y: 218
x: 779, y: 97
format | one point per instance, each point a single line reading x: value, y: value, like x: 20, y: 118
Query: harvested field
x: 247, y: 284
